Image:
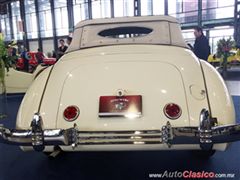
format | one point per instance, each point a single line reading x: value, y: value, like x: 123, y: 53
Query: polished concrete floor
x: 15, y: 164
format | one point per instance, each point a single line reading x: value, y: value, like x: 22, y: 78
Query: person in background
x: 190, y: 46
x: 54, y: 54
x: 12, y: 52
x: 62, y: 48
x: 25, y: 57
x: 69, y: 40
x: 39, y: 56
x: 201, y: 46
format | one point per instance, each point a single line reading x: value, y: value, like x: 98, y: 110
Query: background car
x: 17, y: 82
x: 33, y: 61
x: 232, y: 59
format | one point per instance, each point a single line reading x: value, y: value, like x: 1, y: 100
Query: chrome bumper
x: 205, y: 135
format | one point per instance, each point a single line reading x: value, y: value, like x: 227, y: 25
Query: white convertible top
x: 126, y: 20
x: 162, y: 30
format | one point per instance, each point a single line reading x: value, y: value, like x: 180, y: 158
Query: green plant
x: 3, y: 58
x: 224, y: 46
x: 223, y: 51
x: 5, y: 62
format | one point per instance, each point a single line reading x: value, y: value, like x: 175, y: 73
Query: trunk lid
x: 160, y: 74
x: 157, y: 82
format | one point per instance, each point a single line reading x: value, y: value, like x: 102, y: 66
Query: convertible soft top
x: 157, y: 30
x: 125, y: 20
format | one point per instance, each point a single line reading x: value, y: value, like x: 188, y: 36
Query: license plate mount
x: 120, y: 106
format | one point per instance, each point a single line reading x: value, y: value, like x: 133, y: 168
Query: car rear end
x: 125, y: 88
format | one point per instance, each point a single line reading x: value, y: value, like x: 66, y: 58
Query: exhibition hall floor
x: 15, y: 164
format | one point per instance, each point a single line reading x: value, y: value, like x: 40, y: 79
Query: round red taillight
x: 71, y: 113
x: 172, y: 111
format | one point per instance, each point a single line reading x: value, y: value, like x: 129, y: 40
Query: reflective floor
x: 233, y: 87
x: 15, y: 164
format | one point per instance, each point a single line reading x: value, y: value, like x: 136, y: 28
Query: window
x: 225, y: 12
x: 174, y: 6
x: 31, y: 19
x: 152, y: 7
x: 218, y: 33
x: 125, y: 32
x: 189, y: 37
x: 185, y: 11
x: 17, y: 21
x: 61, y: 17
x: 188, y: 34
x: 158, y: 7
x: 206, y: 4
x: 123, y: 8
x: 101, y: 8
x: 45, y: 18
x: 146, y: 7
x: 80, y: 10
x: 180, y: 6
x: 217, y: 9
x: 5, y: 25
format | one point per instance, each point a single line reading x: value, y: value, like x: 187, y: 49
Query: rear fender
x: 220, y: 100
x: 32, y: 100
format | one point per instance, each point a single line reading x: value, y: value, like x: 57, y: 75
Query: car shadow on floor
x: 15, y: 164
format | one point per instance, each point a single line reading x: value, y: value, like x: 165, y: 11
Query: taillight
x: 172, y: 111
x: 71, y: 113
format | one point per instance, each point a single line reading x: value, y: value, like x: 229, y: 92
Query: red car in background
x: 33, y: 62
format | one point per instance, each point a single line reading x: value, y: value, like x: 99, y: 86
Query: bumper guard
x: 205, y: 135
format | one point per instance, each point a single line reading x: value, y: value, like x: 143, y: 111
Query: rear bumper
x: 206, y: 135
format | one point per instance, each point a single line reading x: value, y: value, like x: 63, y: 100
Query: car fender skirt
x: 206, y: 135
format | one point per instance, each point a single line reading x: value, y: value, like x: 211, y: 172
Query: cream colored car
x: 126, y: 83
x: 17, y: 82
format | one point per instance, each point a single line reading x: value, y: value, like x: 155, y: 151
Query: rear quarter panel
x: 31, y: 101
x: 220, y: 100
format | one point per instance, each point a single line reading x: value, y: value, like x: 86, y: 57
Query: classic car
x: 17, y: 82
x: 33, y: 61
x: 128, y: 83
x: 233, y: 58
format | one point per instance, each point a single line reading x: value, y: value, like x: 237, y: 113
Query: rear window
x: 125, y: 32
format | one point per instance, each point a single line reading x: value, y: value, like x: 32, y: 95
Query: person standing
x: 62, y: 48
x: 25, y: 56
x: 39, y: 56
x: 69, y: 40
x: 201, y: 46
x: 54, y: 54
